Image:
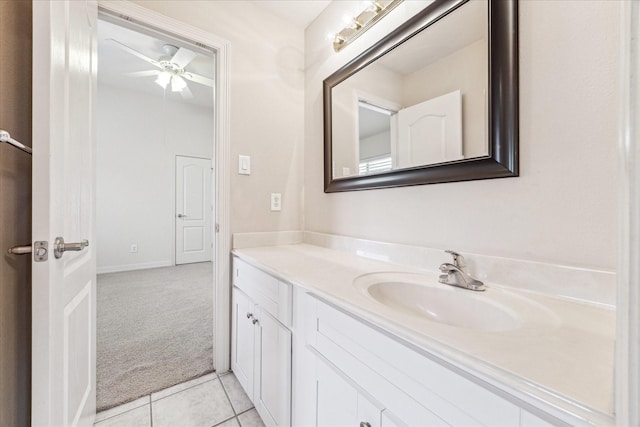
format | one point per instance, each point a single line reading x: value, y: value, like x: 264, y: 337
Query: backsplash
x: 582, y: 284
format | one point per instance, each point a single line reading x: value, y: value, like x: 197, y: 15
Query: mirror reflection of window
x: 374, y: 130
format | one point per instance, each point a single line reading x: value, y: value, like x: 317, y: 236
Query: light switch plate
x: 276, y: 202
x: 244, y: 165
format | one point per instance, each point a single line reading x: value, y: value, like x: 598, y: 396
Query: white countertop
x: 565, y: 358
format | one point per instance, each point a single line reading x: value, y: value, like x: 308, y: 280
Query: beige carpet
x: 154, y: 330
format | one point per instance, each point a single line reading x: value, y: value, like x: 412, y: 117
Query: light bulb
x: 177, y: 84
x: 163, y: 80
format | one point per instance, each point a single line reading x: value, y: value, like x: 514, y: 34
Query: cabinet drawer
x: 271, y: 294
x: 348, y: 342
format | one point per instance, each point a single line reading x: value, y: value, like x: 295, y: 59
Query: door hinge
x: 217, y: 227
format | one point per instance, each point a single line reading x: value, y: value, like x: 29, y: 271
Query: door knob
x: 60, y: 247
x: 181, y: 216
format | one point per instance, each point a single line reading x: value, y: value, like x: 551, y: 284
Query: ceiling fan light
x: 178, y: 84
x: 163, y: 80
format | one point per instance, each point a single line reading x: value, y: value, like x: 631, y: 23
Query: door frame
x: 221, y: 157
x: 627, y: 354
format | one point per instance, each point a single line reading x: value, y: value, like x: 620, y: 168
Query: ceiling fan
x: 171, y: 68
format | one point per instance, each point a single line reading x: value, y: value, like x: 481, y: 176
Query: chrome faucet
x: 456, y: 276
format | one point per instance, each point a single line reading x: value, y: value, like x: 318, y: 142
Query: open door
x: 64, y: 289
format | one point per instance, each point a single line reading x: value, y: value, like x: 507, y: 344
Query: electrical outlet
x: 134, y: 248
x: 276, y: 201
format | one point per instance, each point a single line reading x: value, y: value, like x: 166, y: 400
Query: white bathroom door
x: 430, y: 132
x: 63, y: 287
x: 193, y: 210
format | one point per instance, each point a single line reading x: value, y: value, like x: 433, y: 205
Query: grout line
x: 228, y: 398
x: 228, y: 419
x: 117, y: 414
x: 247, y: 410
x: 216, y: 377
x: 150, y: 411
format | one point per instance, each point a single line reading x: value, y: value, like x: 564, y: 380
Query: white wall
x: 138, y: 138
x: 561, y: 209
x: 266, y: 73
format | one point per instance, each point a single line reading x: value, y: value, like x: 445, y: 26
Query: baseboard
x: 130, y: 267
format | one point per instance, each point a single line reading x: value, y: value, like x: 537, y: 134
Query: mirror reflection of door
x: 430, y: 132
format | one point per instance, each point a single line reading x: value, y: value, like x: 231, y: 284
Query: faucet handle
x: 458, y: 260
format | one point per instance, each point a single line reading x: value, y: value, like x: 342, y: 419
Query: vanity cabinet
x: 342, y: 402
x: 378, y: 380
x: 261, y: 341
x: 337, y: 369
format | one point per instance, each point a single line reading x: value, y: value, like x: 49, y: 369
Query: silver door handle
x: 60, y: 247
x: 20, y: 250
x: 181, y: 216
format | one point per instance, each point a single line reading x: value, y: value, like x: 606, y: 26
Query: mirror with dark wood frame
x: 449, y: 76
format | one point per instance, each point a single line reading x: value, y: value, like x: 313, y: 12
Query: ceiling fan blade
x: 186, y: 93
x: 135, y: 53
x: 143, y: 73
x: 183, y: 57
x: 196, y: 78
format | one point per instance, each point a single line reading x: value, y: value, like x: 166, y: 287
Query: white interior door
x: 430, y: 132
x: 193, y: 210
x: 64, y: 289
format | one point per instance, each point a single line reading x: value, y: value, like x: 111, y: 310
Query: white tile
x: 250, y: 419
x: 122, y: 408
x: 203, y: 405
x: 182, y: 386
x: 138, y: 417
x: 238, y: 397
x: 233, y: 422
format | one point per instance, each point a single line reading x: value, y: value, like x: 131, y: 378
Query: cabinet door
x: 243, y: 341
x: 273, y: 365
x: 339, y: 403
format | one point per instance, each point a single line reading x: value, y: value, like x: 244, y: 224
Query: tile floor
x: 208, y: 401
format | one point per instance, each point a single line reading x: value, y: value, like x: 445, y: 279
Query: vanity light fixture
x: 374, y: 11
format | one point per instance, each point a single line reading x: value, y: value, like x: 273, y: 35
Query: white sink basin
x: 422, y: 296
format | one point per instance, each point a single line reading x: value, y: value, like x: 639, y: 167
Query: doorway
x: 155, y: 138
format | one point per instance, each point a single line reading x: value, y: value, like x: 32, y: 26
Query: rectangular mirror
x: 434, y: 101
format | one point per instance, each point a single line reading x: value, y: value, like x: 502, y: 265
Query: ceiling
x: 298, y: 12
